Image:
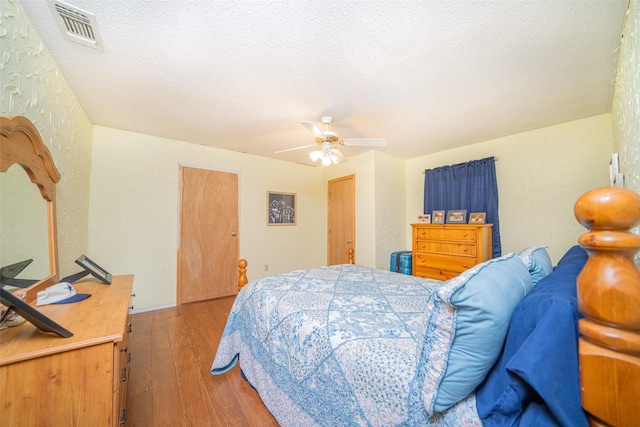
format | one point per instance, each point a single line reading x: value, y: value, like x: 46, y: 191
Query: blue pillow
x: 574, y: 256
x: 484, y: 296
x: 537, y: 260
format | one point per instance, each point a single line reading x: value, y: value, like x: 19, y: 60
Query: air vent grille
x: 75, y: 24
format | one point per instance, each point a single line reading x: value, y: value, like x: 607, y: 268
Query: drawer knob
x: 465, y: 249
x: 464, y: 234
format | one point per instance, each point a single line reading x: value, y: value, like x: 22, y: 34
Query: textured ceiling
x: 426, y: 75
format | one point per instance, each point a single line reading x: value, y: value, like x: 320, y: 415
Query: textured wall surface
x: 32, y: 86
x: 626, y: 101
x: 390, y: 205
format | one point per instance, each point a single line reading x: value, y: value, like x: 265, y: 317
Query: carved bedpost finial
x: 609, y: 298
x: 607, y: 294
x: 350, y: 259
x: 242, y: 273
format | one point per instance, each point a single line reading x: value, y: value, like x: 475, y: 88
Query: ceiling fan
x: 326, y: 139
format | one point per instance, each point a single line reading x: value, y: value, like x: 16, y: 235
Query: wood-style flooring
x: 170, y: 384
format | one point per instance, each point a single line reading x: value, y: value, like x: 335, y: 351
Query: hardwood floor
x: 170, y: 384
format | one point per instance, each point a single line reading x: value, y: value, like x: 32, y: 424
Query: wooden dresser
x: 442, y: 251
x: 46, y: 380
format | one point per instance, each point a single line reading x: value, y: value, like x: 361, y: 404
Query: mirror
x: 23, y: 224
x: 27, y: 203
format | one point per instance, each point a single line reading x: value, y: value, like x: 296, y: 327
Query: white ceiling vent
x: 76, y: 24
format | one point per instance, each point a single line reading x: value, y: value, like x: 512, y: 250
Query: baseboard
x: 154, y: 308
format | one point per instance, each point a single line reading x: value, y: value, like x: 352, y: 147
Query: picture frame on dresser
x: 457, y: 216
x: 37, y: 319
x: 477, y: 217
x: 424, y: 218
x: 438, y: 217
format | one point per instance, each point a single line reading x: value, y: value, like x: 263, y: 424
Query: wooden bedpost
x: 609, y: 298
x: 242, y: 273
x: 350, y: 259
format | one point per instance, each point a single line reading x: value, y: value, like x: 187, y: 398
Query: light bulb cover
x: 315, y: 155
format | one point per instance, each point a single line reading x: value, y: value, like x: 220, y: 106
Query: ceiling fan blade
x: 311, y: 127
x: 337, y: 156
x: 294, y: 148
x: 365, y: 142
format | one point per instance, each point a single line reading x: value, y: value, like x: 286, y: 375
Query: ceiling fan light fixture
x: 315, y: 155
x: 326, y: 159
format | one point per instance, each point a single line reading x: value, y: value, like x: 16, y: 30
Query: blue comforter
x: 346, y: 345
x: 338, y: 346
x: 536, y: 380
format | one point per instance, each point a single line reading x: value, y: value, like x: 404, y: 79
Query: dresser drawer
x: 442, y: 251
x: 121, y: 374
x: 440, y: 247
x: 435, y: 273
x: 437, y: 233
x: 121, y: 359
x: 443, y: 262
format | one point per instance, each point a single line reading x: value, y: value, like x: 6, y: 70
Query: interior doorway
x: 341, y: 222
x: 208, y: 246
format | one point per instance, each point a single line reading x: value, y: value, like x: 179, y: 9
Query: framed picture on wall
x: 477, y: 217
x: 281, y: 208
x: 437, y: 217
x: 457, y: 217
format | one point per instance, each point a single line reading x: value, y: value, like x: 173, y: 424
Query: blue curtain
x: 471, y: 186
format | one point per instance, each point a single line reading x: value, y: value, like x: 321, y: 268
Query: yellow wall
x: 380, y: 205
x: 540, y: 175
x: 134, y: 209
x: 626, y: 101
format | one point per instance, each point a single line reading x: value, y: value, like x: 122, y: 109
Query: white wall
x: 134, y: 210
x: 33, y: 86
x: 540, y: 176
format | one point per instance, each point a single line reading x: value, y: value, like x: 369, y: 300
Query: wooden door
x: 208, y: 249
x: 341, y: 213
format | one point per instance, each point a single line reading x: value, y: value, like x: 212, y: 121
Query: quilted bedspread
x: 341, y: 346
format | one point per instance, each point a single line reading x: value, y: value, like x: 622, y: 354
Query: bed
x: 495, y: 346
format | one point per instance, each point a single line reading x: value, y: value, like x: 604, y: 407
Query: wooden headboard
x: 609, y: 298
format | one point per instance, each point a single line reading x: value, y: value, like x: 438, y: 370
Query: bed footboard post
x: 242, y: 273
x: 609, y: 298
x: 350, y: 259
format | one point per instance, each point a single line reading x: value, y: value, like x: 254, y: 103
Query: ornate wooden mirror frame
x: 20, y: 143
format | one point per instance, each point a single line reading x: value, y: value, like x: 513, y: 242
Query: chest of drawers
x: 442, y: 251
x: 47, y: 380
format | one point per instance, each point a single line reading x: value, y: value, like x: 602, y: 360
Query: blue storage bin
x: 401, y: 262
